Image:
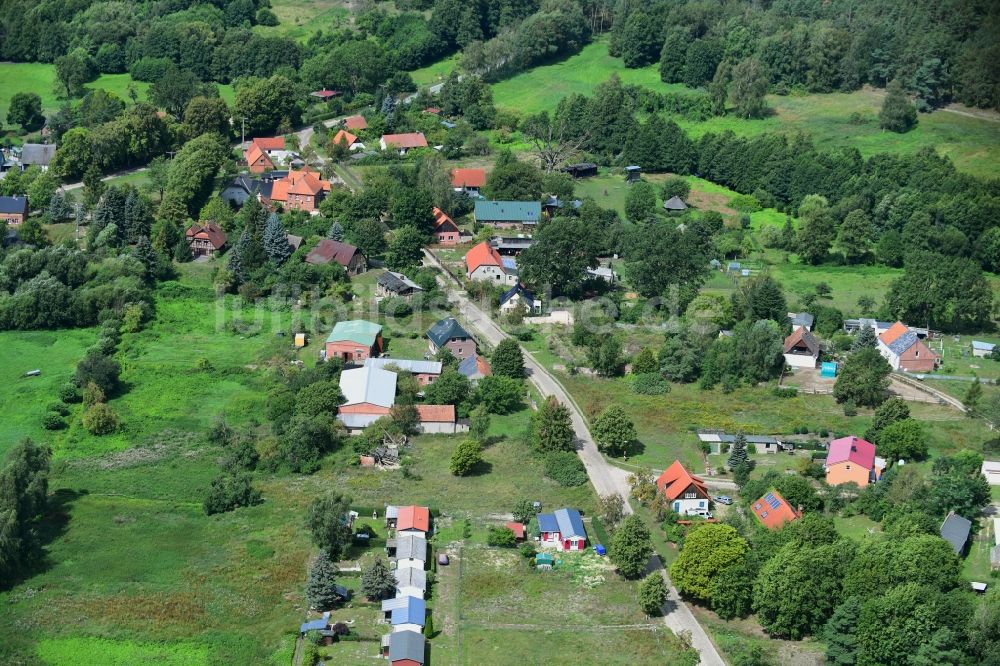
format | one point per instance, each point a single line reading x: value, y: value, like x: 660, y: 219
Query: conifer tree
x: 336, y: 232
x: 377, y: 582
x: 321, y: 587
x: 276, y: 240
x: 865, y: 339
x: 738, y: 454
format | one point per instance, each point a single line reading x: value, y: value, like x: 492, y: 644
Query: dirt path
x: 607, y: 479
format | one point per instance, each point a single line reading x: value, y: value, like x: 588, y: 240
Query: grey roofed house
x: 406, y: 646
x: 368, y: 385
x: 511, y: 246
x: 389, y: 605
x: 411, y: 547
x: 241, y: 188
x: 39, y: 154
x: 674, y: 204
x: 410, y: 577
x: 14, y: 205
x: 801, y: 319
x: 445, y: 330
x: 417, y: 367
x: 397, y: 283
x: 955, y: 530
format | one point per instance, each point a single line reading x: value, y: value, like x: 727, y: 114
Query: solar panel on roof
x: 775, y: 504
x: 772, y: 500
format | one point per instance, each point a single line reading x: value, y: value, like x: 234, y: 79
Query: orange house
x: 773, y: 511
x: 851, y: 459
x: 299, y: 190
x: 687, y: 493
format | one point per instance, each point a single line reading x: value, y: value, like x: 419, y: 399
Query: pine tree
x: 235, y: 261
x: 336, y: 232
x: 321, y: 587
x: 738, y: 453
x: 377, y: 582
x: 58, y: 207
x: 429, y: 626
x: 840, y: 634
x: 276, y: 240
x: 972, y: 397
x: 182, y: 251
x: 865, y: 339
x: 145, y: 253
x: 138, y: 217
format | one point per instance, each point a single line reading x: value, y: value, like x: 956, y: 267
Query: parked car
x: 704, y: 513
x: 723, y: 499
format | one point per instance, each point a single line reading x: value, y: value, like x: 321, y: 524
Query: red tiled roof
x: 675, y: 480
x: 298, y: 182
x: 516, y: 528
x: 851, y: 449
x: 269, y: 143
x: 414, y: 518
x: 482, y: 254
x: 330, y: 250
x: 468, y: 177
x: 442, y: 222
x: 436, y: 413
x: 209, y: 231
x: 890, y: 334
x: 774, y: 514
x: 344, y: 135
x: 407, y: 140
x: 355, y: 123
x: 254, y: 153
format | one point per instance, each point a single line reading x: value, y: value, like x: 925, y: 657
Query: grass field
x: 972, y: 143
x: 299, y: 19
x: 434, y: 73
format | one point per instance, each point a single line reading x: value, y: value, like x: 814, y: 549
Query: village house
x: 446, y: 232
x: 437, y: 419
x: 520, y: 296
x: 475, y: 367
x: 413, y: 519
x: 299, y: 190
x: 37, y: 154
x: 396, y: 285
x: 562, y: 529
x: 719, y: 442
x: 13, y: 210
x: 801, y: 319
x: 354, y: 341
x: 346, y: 255
x: 406, y: 648
x: 508, y: 214
x: 773, y: 511
x: 369, y: 394
x: 241, y: 188
x: 801, y: 349
x: 403, y: 143
x: 266, y: 153
x: 852, y: 459
x: 483, y: 262
x: 425, y: 372
x: 408, y: 550
x: 355, y: 123
x: 955, y: 530
x: 205, y: 239
x: 343, y: 137
x: 469, y: 181
x: 904, y: 350
x: 449, y: 334
x: 687, y: 494
x: 410, y: 616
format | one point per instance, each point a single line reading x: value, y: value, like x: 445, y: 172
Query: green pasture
x: 299, y: 19
x: 435, y: 72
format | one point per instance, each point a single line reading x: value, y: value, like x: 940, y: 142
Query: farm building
x: 580, y: 170
x: 719, y: 442
x: 982, y: 349
x: 773, y: 510
x: 801, y: 349
x: 354, y: 341
x: 438, y: 419
x: 674, y: 205
x: 425, y: 372
x: 686, y: 493
x: 407, y: 550
x: 396, y: 285
x: 205, y: 239
x: 904, y: 350
x: 369, y: 395
x: 449, y: 334
x: 852, y: 459
x: 562, y: 529
x: 507, y: 214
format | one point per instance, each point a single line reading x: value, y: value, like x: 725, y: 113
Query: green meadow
x: 973, y: 143
x: 299, y: 19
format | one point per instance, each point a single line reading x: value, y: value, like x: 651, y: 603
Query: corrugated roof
x: 410, y: 577
x: 982, y: 346
x: 406, y: 645
x: 396, y: 602
x: 416, y: 366
x: 357, y: 421
x: 445, y: 330
x: 955, y: 530
x: 411, y: 547
x: 397, y: 282
x: 356, y: 330
x: 413, y: 611
x: 370, y: 385
x: 565, y: 521
x: 525, y: 212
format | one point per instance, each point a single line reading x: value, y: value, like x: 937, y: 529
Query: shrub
x: 266, y: 17
x: 467, y: 456
x: 502, y: 537
x: 52, y: 421
x: 745, y: 203
x: 565, y: 468
x: 150, y: 69
x: 100, y: 419
x: 650, y: 383
x: 527, y: 550
x: 92, y: 395
x: 59, y: 408
x: 231, y: 491
x: 850, y: 409
x: 69, y: 393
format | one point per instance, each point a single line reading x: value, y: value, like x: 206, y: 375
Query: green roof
x: 357, y: 330
x: 527, y: 212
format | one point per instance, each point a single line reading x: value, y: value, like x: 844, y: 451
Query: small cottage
x: 13, y: 210
x: 396, y: 285
x: 346, y: 255
x: 801, y: 349
x: 773, y: 511
x: 852, y: 459
x: 520, y: 296
x: 475, y: 368
x: 562, y: 529
x: 470, y: 181
x: 955, y: 530
x: 403, y: 143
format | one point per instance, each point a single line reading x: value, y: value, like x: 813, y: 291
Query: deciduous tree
x: 708, y: 550
x: 614, y: 431
x: 631, y: 547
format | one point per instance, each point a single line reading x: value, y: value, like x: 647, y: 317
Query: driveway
x: 607, y: 479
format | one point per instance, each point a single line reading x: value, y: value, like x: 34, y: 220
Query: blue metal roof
x: 565, y: 521
x: 526, y: 212
x: 982, y: 346
x: 547, y: 522
x: 413, y: 612
x: 313, y: 625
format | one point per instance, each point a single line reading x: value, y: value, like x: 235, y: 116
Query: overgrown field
x: 299, y: 19
x: 973, y: 143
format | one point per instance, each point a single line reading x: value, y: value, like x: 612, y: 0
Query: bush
x: 850, y: 409
x: 266, y: 17
x: 59, y: 408
x: 467, y: 456
x: 502, y: 537
x: 150, y: 69
x: 527, y: 550
x: 100, y: 419
x: 69, y: 393
x: 52, y: 421
x: 231, y: 491
x: 565, y: 468
x: 745, y: 203
x: 785, y: 392
x: 650, y: 383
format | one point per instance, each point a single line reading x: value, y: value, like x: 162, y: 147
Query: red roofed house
x: 851, y: 459
x: 413, y: 519
x: 299, y: 190
x: 483, y: 262
x: 517, y: 528
x: 445, y: 230
x: 324, y: 94
x: 403, y: 142
x: 437, y: 419
x: 687, y: 493
x: 468, y: 180
x: 205, y: 239
x: 259, y: 154
x: 905, y: 350
x: 773, y: 511
x: 432, y: 110
x: 345, y: 137
x: 346, y: 255
x: 355, y: 123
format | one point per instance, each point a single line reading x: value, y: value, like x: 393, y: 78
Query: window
x: 763, y: 514
x: 848, y: 467
x: 701, y: 504
x: 756, y: 507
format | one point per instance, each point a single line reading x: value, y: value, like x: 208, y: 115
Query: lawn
x: 972, y: 143
x: 299, y: 19
x: 435, y: 72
